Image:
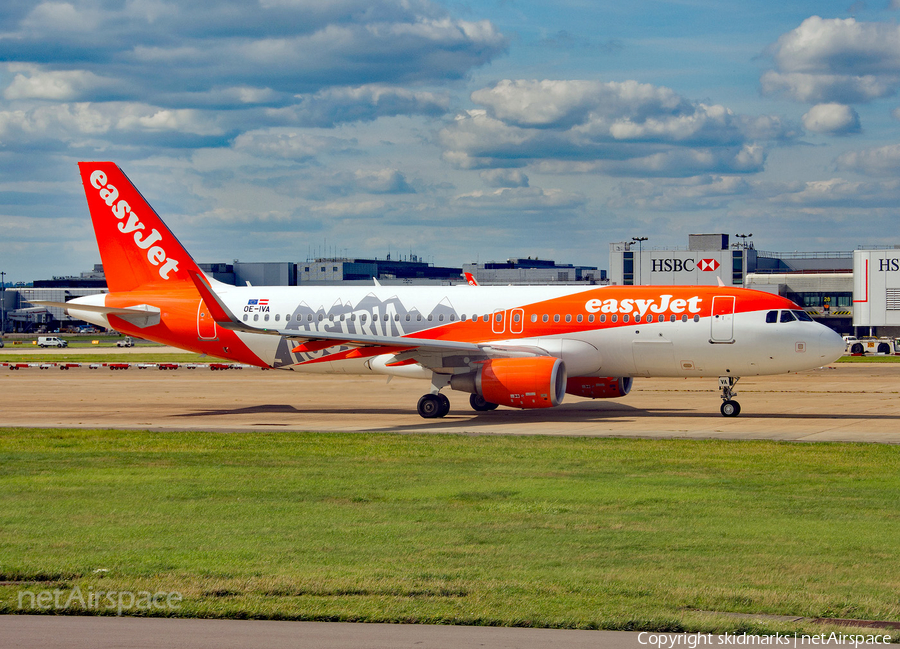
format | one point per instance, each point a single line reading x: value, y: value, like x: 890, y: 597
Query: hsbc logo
x: 681, y: 265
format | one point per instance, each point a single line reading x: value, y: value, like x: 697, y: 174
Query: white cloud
x: 520, y: 199
x: 703, y: 192
x: 287, y: 144
x: 33, y: 82
x: 834, y: 60
x: 382, y: 181
x: 880, y: 161
x: 836, y: 119
x: 504, y: 178
x: 616, y: 128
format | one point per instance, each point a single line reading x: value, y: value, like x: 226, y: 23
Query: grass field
x: 559, y: 532
x: 112, y: 357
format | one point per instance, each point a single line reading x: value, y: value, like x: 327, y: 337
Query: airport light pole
x: 640, y: 240
x: 743, y: 238
x: 2, y: 303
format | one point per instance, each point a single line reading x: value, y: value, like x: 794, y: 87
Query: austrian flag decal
x: 708, y: 264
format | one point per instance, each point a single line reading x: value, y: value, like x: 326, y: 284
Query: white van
x: 52, y: 341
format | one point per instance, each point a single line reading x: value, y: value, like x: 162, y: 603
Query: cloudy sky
x: 455, y: 130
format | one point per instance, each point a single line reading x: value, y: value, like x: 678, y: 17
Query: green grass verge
x: 529, y: 531
x: 75, y: 357
x: 868, y: 359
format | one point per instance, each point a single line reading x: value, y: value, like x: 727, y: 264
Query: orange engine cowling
x: 599, y: 387
x: 533, y: 382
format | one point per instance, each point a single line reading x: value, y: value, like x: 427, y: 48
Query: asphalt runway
x: 843, y: 402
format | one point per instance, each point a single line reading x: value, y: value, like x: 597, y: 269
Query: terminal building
x: 533, y: 271
x: 853, y: 292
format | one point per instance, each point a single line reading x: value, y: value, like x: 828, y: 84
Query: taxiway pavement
x: 843, y: 402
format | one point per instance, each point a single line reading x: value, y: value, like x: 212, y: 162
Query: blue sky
x: 458, y: 131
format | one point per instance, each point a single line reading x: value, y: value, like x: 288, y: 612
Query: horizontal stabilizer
x: 141, y: 315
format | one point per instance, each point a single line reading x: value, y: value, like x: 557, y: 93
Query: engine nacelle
x: 599, y: 387
x: 532, y: 382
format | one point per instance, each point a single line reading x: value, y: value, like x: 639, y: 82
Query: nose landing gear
x: 730, y: 407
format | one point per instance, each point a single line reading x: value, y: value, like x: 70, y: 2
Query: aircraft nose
x: 831, y: 346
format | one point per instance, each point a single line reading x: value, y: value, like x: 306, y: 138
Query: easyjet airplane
x: 517, y: 346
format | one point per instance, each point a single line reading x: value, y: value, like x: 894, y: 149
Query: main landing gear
x: 730, y: 407
x: 433, y: 405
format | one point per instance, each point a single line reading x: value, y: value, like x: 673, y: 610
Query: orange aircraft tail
x: 136, y: 247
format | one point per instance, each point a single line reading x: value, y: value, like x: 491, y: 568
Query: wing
x: 433, y: 354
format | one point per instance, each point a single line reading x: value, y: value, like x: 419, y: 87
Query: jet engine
x: 532, y: 382
x: 599, y: 387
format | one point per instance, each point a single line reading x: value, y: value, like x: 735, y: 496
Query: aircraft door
x: 722, y: 320
x: 498, y: 321
x: 206, y: 326
x: 516, y: 321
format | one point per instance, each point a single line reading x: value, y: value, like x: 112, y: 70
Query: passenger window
x: 246, y: 317
x: 591, y: 318
x: 407, y: 317
x: 662, y: 318
x: 534, y: 317
x: 430, y: 317
x: 771, y: 316
x: 672, y: 318
x: 255, y: 317
x: 498, y: 317
x: 614, y: 318
x: 556, y: 318
x: 696, y: 318
x: 362, y: 318
x: 516, y: 317
x: 486, y: 317
x: 803, y: 315
x: 419, y: 318
x: 625, y: 318
x: 545, y: 318
x: 321, y: 317
x: 277, y: 317
x: 343, y: 317
x: 568, y: 317
x: 452, y: 317
x: 787, y: 316
x: 580, y: 317
x: 441, y: 318
x: 684, y: 318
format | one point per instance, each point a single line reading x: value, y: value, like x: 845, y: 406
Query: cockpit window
x: 787, y: 316
x: 772, y: 316
x: 803, y: 316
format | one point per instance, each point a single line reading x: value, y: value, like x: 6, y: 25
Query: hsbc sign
x: 680, y: 265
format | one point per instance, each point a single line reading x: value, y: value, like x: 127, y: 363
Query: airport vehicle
x: 871, y: 345
x: 523, y: 347
x: 127, y: 341
x: 51, y: 341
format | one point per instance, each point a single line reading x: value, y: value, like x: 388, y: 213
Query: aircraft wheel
x: 730, y: 409
x: 430, y: 406
x: 478, y: 403
x: 445, y: 405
